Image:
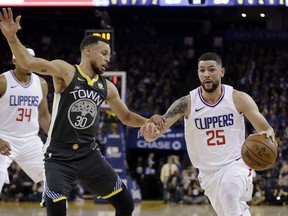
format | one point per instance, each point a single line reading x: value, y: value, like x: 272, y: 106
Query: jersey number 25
x: 215, y: 137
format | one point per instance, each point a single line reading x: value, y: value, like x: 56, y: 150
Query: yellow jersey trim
x: 111, y: 194
x: 89, y: 81
x: 59, y: 199
x: 42, y: 204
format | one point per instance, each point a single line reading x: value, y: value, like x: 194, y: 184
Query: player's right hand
x: 8, y: 26
x: 5, y: 148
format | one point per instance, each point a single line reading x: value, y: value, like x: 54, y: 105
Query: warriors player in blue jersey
x: 71, y: 150
x: 23, y: 105
x: 214, y: 133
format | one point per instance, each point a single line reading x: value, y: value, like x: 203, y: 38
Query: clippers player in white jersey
x: 214, y: 133
x: 23, y: 105
x: 72, y: 152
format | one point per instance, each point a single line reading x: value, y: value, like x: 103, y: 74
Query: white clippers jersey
x: 214, y: 133
x: 19, y: 107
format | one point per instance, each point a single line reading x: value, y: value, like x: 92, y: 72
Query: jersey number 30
x: 215, y: 137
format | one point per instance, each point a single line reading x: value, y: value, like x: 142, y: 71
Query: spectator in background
x: 195, y: 194
x: 149, y: 184
x: 174, y: 187
x: 166, y: 171
x: 139, y: 171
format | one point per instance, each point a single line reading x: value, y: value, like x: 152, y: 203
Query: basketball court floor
x: 145, y: 208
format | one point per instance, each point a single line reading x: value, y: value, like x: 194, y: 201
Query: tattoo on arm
x: 43, y: 70
x: 179, y: 106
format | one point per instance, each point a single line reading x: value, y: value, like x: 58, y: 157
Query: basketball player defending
x: 71, y: 150
x: 214, y: 132
x: 23, y: 105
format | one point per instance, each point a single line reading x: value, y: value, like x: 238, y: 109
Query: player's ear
x: 87, y: 50
x: 222, y: 72
x: 14, y: 61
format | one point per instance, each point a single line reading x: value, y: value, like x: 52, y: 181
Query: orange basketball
x: 259, y: 152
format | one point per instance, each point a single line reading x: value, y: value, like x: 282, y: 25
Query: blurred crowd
x: 161, y: 68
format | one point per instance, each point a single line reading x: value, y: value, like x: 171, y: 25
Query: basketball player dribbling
x: 214, y: 133
x: 72, y: 152
x: 23, y: 105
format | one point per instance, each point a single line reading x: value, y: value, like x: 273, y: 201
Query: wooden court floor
x: 145, y: 208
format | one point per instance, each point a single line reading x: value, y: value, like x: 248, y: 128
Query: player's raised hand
x: 8, y: 26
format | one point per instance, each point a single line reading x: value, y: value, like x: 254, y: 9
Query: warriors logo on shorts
x: 82, y: 113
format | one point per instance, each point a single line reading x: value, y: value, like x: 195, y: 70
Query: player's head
x: 14, y: 60
x: 210, y: 71
x: 95, y: 51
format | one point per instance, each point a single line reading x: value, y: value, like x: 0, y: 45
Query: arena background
x: 158, y: 48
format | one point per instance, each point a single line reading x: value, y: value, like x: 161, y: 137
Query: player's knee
x: 126, y: 210
x: 123, y: 203
x: 58, y: 208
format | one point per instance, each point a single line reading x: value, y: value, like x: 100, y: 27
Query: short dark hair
x: 91, y: 39
x: 211, y: 56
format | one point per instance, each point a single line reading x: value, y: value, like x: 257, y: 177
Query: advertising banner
x: 173, y: 139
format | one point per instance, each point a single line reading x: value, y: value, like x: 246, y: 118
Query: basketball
x: 259, y: 152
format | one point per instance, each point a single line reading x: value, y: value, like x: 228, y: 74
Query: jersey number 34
x: 24, y: 113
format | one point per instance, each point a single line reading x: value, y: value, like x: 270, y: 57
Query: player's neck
x: 212, y: 97
x: 23, y: 78
x: 88, y: 71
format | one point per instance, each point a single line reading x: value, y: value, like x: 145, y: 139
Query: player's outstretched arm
x: 180, y: 108
x: 246, y: 105
x: 9, y: 28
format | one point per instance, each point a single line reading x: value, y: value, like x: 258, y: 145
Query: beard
x: 97, y: 70
x: 213, y: 88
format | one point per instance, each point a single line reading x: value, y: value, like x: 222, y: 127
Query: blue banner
x: 113, y: 143
x: 173, y: 139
